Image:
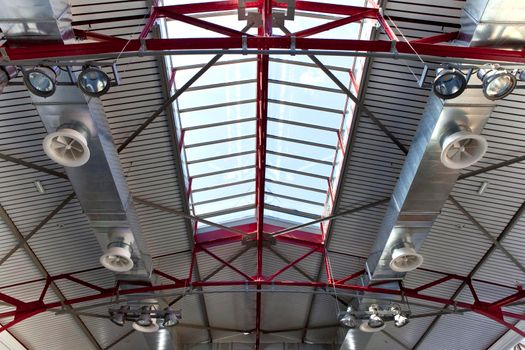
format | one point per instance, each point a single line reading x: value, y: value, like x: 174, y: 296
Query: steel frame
x: 263, y: 41
x: 494, y: 310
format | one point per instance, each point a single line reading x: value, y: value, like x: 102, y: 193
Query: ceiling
x: 45, y: 236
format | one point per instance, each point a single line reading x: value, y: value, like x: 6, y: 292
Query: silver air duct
x: 448, y: 139
x: 80, y: 139
x: 30, y: 20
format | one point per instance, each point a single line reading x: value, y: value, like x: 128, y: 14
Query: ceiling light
x: 119, y: 317
x: 405, y: 259
x: 93, y: 81
x: 41, y: 81
x: 375, y: 321
x: 348, y: 319
x: 171, y: 317
x: 449, y: 83
x: 497, y: 83
x: 400, y: 318
x: 145, y: 317
x: 117, y: 257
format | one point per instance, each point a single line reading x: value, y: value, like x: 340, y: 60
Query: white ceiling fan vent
x: 67, y: 147
x: 405, y: 259
x: 117, y: 257
x: 462, y: 149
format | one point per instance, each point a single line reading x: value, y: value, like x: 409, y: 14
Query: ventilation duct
x: 31, y: 20
x: 447, y: 140
x: 81, y: 140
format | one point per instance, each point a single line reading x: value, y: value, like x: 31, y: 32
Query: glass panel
x: 224, y: 204
x: 220, y: 132
x: 225, y: 178
x: 286, y: 176
x: 299, y: 165
x: 222, y: 164
x: 295, y: 192
x: 233, y: 216
x: 294, y: 204
x: 222, y: 148
x: 223, y: 192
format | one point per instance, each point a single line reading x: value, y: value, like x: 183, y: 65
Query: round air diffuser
x: 462, y: 149
x: 405, y: 259
x: 67, y: 147
x: 117, y: 257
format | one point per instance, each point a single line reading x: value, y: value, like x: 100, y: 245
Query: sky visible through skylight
x: 305, y: 113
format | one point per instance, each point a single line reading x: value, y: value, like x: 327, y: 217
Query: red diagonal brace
x: 225, y: 263
x: 163, y: 11
x: 352, y: 276
x: 436, y: 39
x: 370, y: 13
x: 434, y: 283
x: 293, y: 263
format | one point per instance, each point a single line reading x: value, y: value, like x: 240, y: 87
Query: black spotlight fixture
x: 400, y: 318
x: 171, y: 317
x: 497, y: 83
x: 93, y: 81
x: 449, y: 83
x: 119, y: 317
x: 41, y: 80
x: 348, y: 319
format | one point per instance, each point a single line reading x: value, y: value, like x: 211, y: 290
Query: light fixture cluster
x: 42, y: 80
x: 146, y: 318
x: 497, y: 82
x: 374, y: 319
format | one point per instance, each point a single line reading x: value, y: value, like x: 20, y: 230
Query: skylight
x: 308, y: 122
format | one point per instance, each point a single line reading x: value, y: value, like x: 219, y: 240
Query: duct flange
x: 461, y: 149
x: 117, y: 257
x: 67, y: 146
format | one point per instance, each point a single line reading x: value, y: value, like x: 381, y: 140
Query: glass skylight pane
x: 298, y: 164
x: 222, y: 204
x: 215, y: 74
x: 218, y: 115
x: 303, y: 133
x: 234, y: 216
x: 287, y: 176
x: 208, y: 97
x: 220, y: 132
x: 306, y: 116
x: 301, y: 149
x: 295, y: 192
x: 302, y: 95
x: 293, y: 204
x: 223, y: 191
x: 222, y: 148
x: 224, y: 178
x: 289, y: 217
x: 221, y: 164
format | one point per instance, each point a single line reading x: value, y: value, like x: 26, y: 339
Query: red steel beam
x: 265, y: 31
x: 352, y: 276
x: 86, y: 51
x: 32, y: 308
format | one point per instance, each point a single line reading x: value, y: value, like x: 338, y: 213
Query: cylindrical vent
x: 67, y: 146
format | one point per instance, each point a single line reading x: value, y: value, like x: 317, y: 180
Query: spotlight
x: 375, y: 321
x: 497, y: 83
x: 171, y: 318
x: 41, y: 80
x: 348, y: 319
x: 93, y: 81
x: 400, y: 318
x: 449, y: 83
x: 145, y: 323
x: 119, y: 317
